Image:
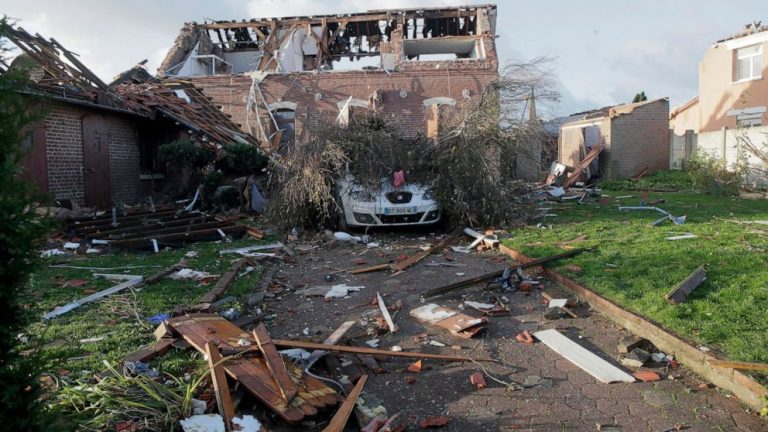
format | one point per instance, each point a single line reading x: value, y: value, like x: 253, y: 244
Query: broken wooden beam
x: 225, y: 281
x: 369, y: 351
x: 497, y: 274
x: 565, y: 309
x: 680, y: 292
x: 156, y: 349
x: 341, y: 417
x: 574, y: 177
x: 274, y: 362
x: 738, y: 365
x: 404, y: 264
x: 385, y: 313
x: 186, y: 237
x: 220, y: 386
x: 155, y: 278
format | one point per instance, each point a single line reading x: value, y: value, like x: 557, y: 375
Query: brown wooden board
x: 680, y: 292
x: 252, y: 372
x: 459, y: 324
x: 220, y: 386
x: 738, y: 365
x: 574, y: 177
x: 158, y: 348
x: 274, y: 362
x: 341, y: 417
x: 225, y: 281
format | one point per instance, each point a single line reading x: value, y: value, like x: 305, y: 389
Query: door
x: 96, y: 161
x: 34, y: 165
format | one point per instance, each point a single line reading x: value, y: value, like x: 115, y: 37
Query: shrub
x: 20, y: 232
x: 712, y: 176
x: 243, y: 159
x: 183, y: 153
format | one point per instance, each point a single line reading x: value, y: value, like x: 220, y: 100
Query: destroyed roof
x: 677, y: 110
x: 609, y: 111
x: 184, y: 103
x: 749, y: 29
x: 55, y: 72
x: 135, y: 75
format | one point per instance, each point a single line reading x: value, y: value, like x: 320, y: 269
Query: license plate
x: 399, y: 210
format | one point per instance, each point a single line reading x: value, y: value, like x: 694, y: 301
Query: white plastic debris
x: 373, y: 343
x: 342, y: 236
x: 92, y: 251
x: 203, y: 423
x: 556, y: 191
x: 436, y: 343
x: 396, y: 348
x: 342, y: 290
x: 478, y: 305
x: 191, y: 254
x: 373, y: 245
x: 71, y: 245
x: 187, y: 273
x: 198, y: 406
x: 561, y: 303
x: 51, y: 252
x: 247, y: 423
x: 295, y: 353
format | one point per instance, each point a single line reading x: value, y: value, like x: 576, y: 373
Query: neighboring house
x: 282, y: 78
x: 732, y: 101
x: 96, y: 144
x: 635, y: 137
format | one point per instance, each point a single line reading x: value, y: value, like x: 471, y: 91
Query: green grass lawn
x: 636, y: 266
x: 114, y: 317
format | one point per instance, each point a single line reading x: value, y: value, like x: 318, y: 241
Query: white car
x: 385, y: 205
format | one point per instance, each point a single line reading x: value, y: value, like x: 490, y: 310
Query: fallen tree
x: 469, y: 164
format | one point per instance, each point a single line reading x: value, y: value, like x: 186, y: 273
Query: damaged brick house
x: 280, y: 78
x: 634, y: 137
x: 96, y: 143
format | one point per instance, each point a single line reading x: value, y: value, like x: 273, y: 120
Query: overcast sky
x: 605, y: 50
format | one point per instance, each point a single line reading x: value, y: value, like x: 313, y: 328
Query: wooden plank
x: 497, y: 274
x: 747, y: 389
x: 341, y: 417
x: 274, y: 362
x: 565, y: 309
x: 192, y: 236
x: 158, y: 348
x: 225, y: 281
x: 374, y: 268
x: 404, y: 264
x: 738, y: 365
x: 583, y: 358
x: 337, y: 334
x: 370, y: 351
x: 220, y: 386
x: 574, y: 177
x: 165, y: 272
x: 385, y: 313
x: 680, y: 292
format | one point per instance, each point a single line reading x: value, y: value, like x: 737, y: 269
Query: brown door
x: 34, y: 166
x: 96, y: 158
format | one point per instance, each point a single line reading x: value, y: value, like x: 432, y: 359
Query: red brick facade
x: 317, y: 96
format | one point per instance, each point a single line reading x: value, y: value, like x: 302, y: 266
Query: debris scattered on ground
x: 457, y: 323
x: 636, y: 358
x: 680, y: 292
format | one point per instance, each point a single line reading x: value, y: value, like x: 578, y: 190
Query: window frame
x: 737, y: 58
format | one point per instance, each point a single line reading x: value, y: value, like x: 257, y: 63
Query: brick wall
x: 640, y: 139
x: 317, y: 94
x: 124, y: 161
x: 64, y: 152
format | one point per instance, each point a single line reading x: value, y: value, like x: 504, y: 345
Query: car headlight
x: 362, y: 196
x: 428, y: 196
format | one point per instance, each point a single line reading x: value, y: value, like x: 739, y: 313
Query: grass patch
x: 727, y: 312
x: 677, y: 180
x: 115, y: 317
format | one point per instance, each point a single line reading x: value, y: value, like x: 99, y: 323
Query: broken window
x: 438, y: 109
x: 748, y: 63
x: 285, y: 135
x: 444, y: 49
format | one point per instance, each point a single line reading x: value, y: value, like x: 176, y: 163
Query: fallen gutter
x: 749, y: 391
x: 93, y: 297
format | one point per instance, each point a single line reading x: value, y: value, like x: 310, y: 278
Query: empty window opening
x: 285, y: 135
x: 444, y: 49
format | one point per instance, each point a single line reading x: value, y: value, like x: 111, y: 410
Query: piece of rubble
x: 478, y: 380
x: 554, y: 313
x: 433, y: 422
x: 647, y: 376
x: 636, y: 358
x: 628, y: 343
x: 457, y: 323
x: 525, y: 337
x: 415, y: 367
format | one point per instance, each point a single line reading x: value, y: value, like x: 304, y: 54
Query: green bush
x: 712, y: 176
x: 243, y: 159
x: 183, y: 153
x: 20, y: 232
